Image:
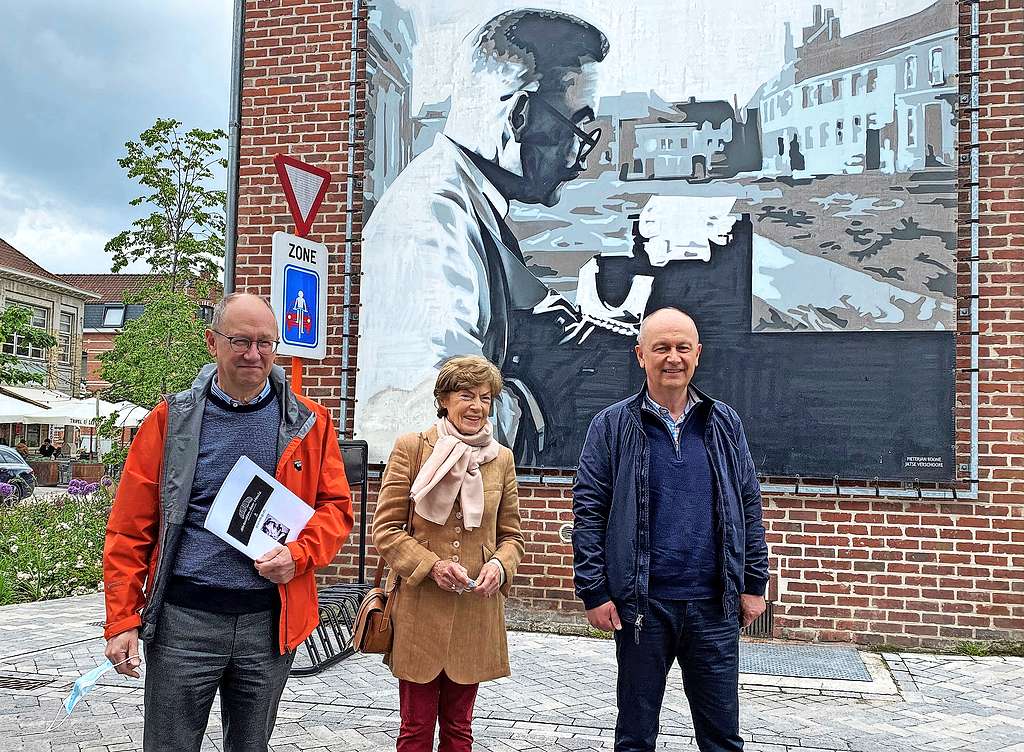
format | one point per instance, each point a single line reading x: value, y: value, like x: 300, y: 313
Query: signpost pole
x: 296, y: 374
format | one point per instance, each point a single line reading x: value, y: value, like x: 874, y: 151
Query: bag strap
x: 378, y: 577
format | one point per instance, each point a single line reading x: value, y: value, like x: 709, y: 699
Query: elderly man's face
x: 551, y: 140
x: 240, y: 373
x: 669, y: 351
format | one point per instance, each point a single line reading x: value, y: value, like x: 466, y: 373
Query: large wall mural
x: 537, y: 180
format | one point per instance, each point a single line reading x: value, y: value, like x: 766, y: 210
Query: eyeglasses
x: 589, y: 139
x: 242, y: 344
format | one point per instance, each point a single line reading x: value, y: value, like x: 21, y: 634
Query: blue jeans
x: 698, y: 635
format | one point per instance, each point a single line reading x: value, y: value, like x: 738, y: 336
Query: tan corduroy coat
x: 435, y: 630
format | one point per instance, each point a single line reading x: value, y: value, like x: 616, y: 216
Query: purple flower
x: 6, y: 490
x: 92, y: 488
x: 106, y: 482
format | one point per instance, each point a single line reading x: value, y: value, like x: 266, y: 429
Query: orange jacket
x: 149, y: 509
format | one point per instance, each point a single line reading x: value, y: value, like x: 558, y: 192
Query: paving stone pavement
x: 560, y: 697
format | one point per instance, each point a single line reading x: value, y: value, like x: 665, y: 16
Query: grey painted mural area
x: 529, y: 198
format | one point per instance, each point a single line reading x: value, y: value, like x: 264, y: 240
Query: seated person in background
x: 46, y: 448
x: 22, y: 448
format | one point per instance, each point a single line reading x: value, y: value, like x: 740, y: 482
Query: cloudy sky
x: 78, y: 79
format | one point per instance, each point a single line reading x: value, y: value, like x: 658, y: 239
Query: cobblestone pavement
x: 561, y: 697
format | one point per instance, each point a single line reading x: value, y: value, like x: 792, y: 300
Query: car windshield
x: 9, y: 455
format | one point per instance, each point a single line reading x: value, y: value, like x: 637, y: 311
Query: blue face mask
x: 85, y: 684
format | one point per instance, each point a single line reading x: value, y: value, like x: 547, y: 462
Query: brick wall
x: 95, y: 344
x: 861, y: 569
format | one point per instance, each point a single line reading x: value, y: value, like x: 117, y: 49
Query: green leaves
x: 183, y: 237
x: 52, y: 547
x: 159, y: 352
x: 15, y: 325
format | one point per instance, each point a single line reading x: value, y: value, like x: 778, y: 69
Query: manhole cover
x: 22, y: 682
x: 802, y: 661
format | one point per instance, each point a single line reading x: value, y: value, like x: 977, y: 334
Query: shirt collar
x: 650, y: 404
x: 487, y: 188
x: 221, y: 394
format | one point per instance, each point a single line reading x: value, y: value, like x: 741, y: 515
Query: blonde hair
x: 465, y: 372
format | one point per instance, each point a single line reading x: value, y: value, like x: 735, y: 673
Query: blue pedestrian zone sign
x: 300, y: 303
x: 298, y: 293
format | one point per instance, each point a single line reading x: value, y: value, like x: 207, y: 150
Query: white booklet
x: 253, y: 512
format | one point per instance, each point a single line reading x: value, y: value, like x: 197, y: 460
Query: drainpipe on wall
x: 234, y: 131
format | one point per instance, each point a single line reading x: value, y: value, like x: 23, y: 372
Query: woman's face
x: 468, y: 408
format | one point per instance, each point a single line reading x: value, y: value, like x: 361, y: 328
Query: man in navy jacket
x: 670, y: 552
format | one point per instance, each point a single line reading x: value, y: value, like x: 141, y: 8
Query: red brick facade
x: 896, y: 569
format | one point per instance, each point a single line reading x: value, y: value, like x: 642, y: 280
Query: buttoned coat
x: 434, y: 629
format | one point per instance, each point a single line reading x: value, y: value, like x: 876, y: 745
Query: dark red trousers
x: 424, y: 706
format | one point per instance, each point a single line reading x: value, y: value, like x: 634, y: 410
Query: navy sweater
x: 684, y: 552
x: 209, y: 574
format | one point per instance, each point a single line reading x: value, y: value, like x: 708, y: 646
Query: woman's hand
x: 449, y: 576
x: 489, y: 580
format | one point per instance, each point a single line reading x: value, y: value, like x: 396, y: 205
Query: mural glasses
x: 588, y: 139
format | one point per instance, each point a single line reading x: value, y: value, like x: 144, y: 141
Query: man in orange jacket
x: 210, y: 617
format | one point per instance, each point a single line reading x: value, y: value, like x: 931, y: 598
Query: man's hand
x: 277, y: 565
x: 125, y: 646
x: 605, y: 617
x: 489, y: 580
x: 449, y: 576
x: 751, y: 606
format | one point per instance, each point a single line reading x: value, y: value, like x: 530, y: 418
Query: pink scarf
x: 453, y: 471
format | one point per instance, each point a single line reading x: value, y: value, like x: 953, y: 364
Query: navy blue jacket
x: 611, y: 505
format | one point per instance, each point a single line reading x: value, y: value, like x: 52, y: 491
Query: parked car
x: 14, y: 470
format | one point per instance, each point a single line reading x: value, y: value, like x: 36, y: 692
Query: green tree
x: 159, y: 352
x: 183, y: 236
x: 16, y: 321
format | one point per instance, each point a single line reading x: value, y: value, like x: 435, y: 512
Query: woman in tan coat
x: 455, y: 566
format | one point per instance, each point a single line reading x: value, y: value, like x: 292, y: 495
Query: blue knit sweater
x: 208, y: 573
x: 684, y: 552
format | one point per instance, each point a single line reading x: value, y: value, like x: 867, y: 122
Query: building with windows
x: 56, y: 306
x: 880, y: 99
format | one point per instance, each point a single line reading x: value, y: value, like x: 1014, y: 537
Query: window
x: 33, y: 434
x: 206, y: 312
x: 872, y: 79
x: 910, y: 72
x: 854, y: 84
x: 113, y: 316
x: 819, y: 96
x: 683, y: 143
x: 66, y: 335
x: 911, y: 127
x: 839, y: 132
x: 837, y: 88
x: 38, y: 319
x: 806, y: 91
x: 935, y: 74
x: 8, y: 455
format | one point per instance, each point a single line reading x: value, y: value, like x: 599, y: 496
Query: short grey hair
x: 221, y: 308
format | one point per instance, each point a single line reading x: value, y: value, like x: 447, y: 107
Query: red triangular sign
x: 304, y: 189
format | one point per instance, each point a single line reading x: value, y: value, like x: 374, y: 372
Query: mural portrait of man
x: 537, y: 181
x: 519, y: 127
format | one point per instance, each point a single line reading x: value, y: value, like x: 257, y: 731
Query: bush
x: 52, y: 547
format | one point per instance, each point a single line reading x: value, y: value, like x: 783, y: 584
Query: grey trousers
x: 194, y: 654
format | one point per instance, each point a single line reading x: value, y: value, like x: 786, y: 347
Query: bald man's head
x: 668, y: 315
x: 668, y: 349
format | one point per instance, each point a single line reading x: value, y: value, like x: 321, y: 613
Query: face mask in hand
x: 83, y: 685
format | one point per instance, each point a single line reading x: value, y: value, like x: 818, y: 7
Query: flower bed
x: 52, y: 547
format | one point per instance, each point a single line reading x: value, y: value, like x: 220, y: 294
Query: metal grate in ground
x: 802, y: 661
x: 22, y: 682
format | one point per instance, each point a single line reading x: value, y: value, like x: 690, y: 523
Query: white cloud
x: 54, y: 234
